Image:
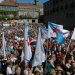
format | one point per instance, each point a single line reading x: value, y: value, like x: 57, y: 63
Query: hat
x: 58, y: 68
x: 52, y: 71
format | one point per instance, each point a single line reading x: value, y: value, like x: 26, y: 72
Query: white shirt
x: 13, y: 59
x: 8, y: 71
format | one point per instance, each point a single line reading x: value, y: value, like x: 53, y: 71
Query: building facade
x: 27, y: 11
x: 60, y: 12
x: 8, y: 10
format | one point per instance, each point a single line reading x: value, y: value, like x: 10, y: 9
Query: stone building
x: 25, y: 11
x: 29, y: 12
x: 8, y: 10
x: 60, y: 12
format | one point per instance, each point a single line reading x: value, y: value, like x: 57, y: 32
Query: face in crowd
x: 18, y: 70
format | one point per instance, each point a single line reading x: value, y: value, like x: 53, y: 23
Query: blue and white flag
x: 52, y: 30
x: 58, y: 26
x: 59, y: 37
x: 39, y: 55
x: 27, y: 48
x: 3, y: 45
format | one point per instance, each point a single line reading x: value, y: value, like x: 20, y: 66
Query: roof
x: 8, y: 4
x: 29, y: 5
x: 19, y: 4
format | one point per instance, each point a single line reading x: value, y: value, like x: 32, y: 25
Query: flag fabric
x: 52, y: 30
x: 3, y: 45
x: 59, y: 37
x: 44, y: 33
x: 39, y: 55
x: 73, y: 35
x: 22, y: 56
x: 64, y: 31
x: 27, y: 48
x: 58, y: 26
x: 65, y: 35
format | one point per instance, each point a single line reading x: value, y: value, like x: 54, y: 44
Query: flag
x: 3, y: 45
x: 59, y: 37
x: 64, y: 31
x: 22, y: 56
x: 73, y: 35
x: 65, y: 35
x: 58, y: 26
x: 27, y: 48
x: 39, y: 55
x: 52, y: 30
x: 44, y: 33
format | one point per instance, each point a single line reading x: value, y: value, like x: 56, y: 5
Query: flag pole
x: 47, y: 54
x: 69, y: 44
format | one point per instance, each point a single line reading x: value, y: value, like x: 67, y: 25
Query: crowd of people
x: 60, y: 58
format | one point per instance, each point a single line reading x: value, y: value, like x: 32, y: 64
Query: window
x: 61, y: 8
x: 48, y: 4
x: 57, y: 9
x: 53, y: 2
x: 45, y: 6
x: 27, y: 20
x: 56, y: 1
x: 33, y: 21
x: 72, y: 5
x: 61, y: 0
x: 66, y: 15
x: 50, y: 12
x: 71, y: 15
x: 53, y: 10
x: 66, y: 6
x: 45, y: 13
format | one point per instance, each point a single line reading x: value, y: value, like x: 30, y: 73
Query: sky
x: 31, y: 1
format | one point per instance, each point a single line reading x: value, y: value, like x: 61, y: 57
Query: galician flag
x: 3, y: 45
x: 27, y: 48
x: 39, y: 55
x: 52, y: 30
x: 65, y: 33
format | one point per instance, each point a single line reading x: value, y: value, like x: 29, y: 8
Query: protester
x: 9, y: 70
x: 17, y: 70
x: 60, y: 57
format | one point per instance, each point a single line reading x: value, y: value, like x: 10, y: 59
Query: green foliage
x: 5, y: 14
